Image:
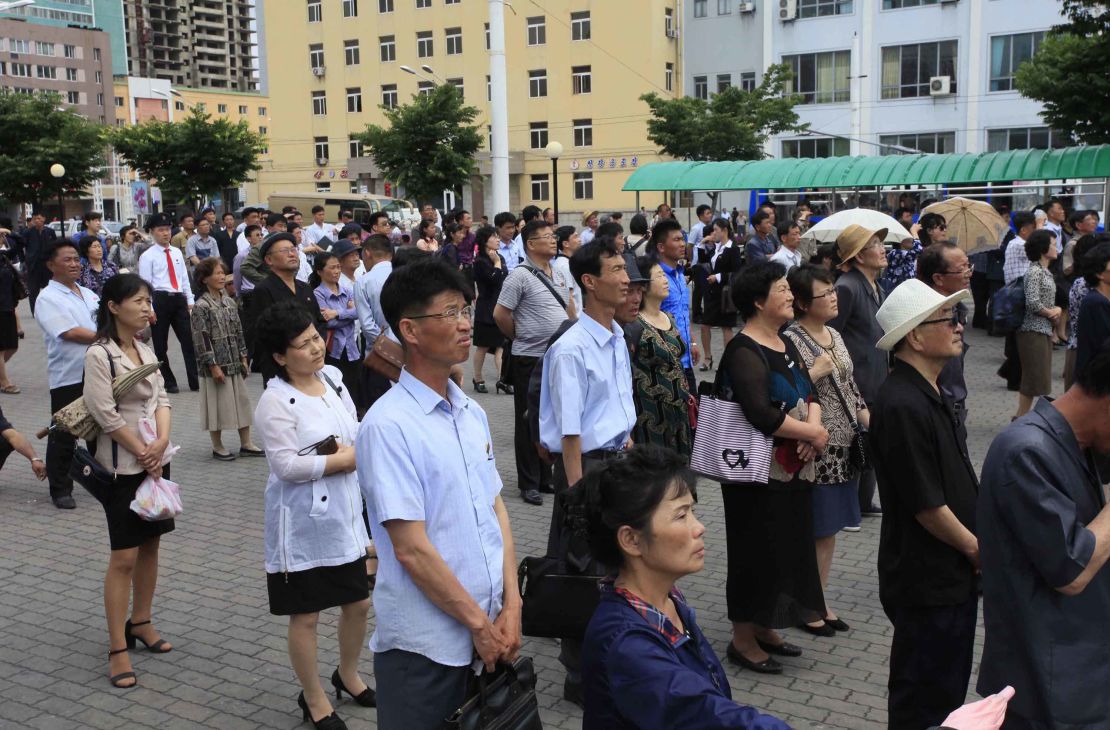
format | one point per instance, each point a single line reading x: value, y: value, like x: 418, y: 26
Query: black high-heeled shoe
x: 503, y: 387
x: 157, y: 647
x: 367, y: 698
x: 115, y: 679
x: 331, y: 722
x: 706, y: 365
x: 479, y: 386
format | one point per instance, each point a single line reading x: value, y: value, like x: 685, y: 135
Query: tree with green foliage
x: 429, y: 144
x: 1068, y: 73
x: 41, y: 132
x: 191, y: 159
x: 733, y: 125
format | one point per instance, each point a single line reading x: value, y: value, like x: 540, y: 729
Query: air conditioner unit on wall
x: 747, y: 8
x: 322, y: 161
x: 318, y: 70
x: 940, y: 86
x: 788, y: 10
x: 672, y: 33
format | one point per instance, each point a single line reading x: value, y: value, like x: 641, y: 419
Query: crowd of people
x: 847, y: 357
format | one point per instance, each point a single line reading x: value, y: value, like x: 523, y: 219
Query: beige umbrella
x: 972, y: 224
x: 75, y: 417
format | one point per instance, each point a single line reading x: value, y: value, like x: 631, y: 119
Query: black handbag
x: 504, y: 699
x: 90, y: 473
x: 556, y: 604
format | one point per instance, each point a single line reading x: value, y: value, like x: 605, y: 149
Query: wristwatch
x: 35, y: 458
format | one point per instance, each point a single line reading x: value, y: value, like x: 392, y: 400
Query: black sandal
x: 115, y: 679
x: 131, y: 638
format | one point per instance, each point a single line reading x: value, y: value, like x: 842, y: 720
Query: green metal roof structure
x: 869, y: 172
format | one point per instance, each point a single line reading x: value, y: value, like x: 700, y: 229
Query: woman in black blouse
x: 773, y: 581
x: 489, y: 274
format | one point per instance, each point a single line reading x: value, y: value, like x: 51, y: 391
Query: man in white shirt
x: 590, y: 222
x: 1056, y: 215
x: 251, y: 217
x: 705, y: 217
x: 163, y: 267
x: 1016, y: 263
x: 377, y: 257
x: 790, y: 235
x: 510, y: 250
x: 318, y: 230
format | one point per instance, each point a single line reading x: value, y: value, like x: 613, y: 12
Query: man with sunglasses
x: 947, y: 271
x: 928, y: 553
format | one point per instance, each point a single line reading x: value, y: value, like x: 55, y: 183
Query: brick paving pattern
x: 230, y: 670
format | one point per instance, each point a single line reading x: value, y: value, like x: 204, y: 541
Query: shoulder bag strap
x: 331, y: 383
x: 544, y: 280
x: 112, y: 370
x: 817, y: 351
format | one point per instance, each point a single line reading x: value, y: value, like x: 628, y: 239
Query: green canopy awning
x: 864, y: 172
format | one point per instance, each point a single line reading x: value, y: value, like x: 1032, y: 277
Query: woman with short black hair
x: 315, y: 537
x: 1035, y: 336
x: 95, y: 269
x: 645, y: 662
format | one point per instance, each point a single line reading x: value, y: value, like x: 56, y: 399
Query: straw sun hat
x: 853, y: 238
x: 911, y: 303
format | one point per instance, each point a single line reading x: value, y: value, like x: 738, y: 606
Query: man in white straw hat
x: 928, y: 553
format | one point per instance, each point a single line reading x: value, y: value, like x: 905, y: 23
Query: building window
x: 316, y: 55
x: 537, y: 83
x: 454, y: 41
x: 942, y: 143
x: 315, y: 11
x: 701, y: 8
x: 179, y: 106
x: 583, y: 133
x: 537, y: 31
x: 323, y: 187
x: 668, y: 21
x: 385, y: 6
x: 747, y: 80
x: 815, y: 147
x: 69, y: 51
x: 580, y: 26
x: 21, y: 69
x: 822, y: 8
x: 351, y: 52
x: 242, y: 108
x: 350, y: 8
x: 421, y: 4
x: 583, y: 186
x: 387, y: 48
x: 424, y: 45
x: 451, y: 2
x: 723, y: 82
x: 425, y: 88
x: 458, y: 84
x: 907, y: 69
x: 487, y: 36
x: 263, y: 130
x: 320, y: 145
x: 1007, y: 53
x: 71, y: 74
x: 99, y: 75
x: 898, y: 4
x: 668, y: 77
x: 541, y: 187
x: 581, y: 80
x: 261, y: 111
x: 1024, y: 138
x: 46, y: 72
x: 724, y: 7
x: 821, y: 78
x: 221, y: 108
x: 100, y: 99
x: 74, y: 97
x: 20, y: 46
x: 96, y: 54
x: 537, y: 132
x: 319, y: 104
x: 489, y: 88
x: 354, y: 100
x: 389, y: 96
x: 44, y: 49
x: 701, y: 87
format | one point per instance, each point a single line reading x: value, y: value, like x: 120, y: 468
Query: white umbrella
x: 828, y: 229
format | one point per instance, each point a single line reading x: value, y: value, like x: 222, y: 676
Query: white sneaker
x: 853, y: 528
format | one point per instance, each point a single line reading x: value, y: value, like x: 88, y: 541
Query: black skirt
x: 9, y: 335
x: 125, y: 528
x: 315, y: 589
x: 713, y: 314
x: 488, y: 335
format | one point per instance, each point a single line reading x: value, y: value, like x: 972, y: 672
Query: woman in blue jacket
x: 645, y: 662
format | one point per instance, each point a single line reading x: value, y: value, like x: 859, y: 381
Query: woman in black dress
x: 718, y: 258
x: 489, y: 275
x: 125, y: 310
x: 773, y: 581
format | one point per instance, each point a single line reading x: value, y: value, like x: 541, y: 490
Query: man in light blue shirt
x: 510, y: 246
x: 668, y: 242
x: 586, y: 407
x: 66, y: 312
x: 446, y: 587
x: 377, y: 257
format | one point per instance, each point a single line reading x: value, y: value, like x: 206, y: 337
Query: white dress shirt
x: 313, y: 233
x: 58, y: 310
x: 368, y: 301
x: 1016, y: 262
x: 787, y: 258
x: 155, y: 269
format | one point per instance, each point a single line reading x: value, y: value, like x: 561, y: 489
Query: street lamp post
x: 58, y: 171
x: 554, y: 151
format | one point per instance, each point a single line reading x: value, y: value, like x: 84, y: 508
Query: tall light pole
x: 59, y: 171
x: 554, y: 151
x: 499, y: 108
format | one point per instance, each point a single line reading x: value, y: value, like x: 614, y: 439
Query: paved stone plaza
x: 230, y: 670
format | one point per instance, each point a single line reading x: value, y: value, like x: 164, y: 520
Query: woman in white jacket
x: 315, y: 537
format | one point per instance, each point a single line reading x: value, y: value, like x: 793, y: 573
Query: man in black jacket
x: 28, y: 248
x: 224, y: 243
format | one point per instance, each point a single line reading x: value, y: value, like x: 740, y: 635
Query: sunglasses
x: 953, y: 321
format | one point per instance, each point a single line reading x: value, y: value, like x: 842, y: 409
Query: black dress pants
x: 930, y: 662
x: 60, y: 444
x: 172, y: 310
x: 531, y: 472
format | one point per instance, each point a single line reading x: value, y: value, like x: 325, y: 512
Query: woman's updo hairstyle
x: 627, y: 491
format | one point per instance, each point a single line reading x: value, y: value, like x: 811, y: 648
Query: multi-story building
x: 204, y: 44
x: 576, y: 70
x: 880, y: 76
x: 73, y: 62
x: 106, y: 15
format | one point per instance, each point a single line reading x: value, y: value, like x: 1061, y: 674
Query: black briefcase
x: 556, y: 604
x: 504, y: 699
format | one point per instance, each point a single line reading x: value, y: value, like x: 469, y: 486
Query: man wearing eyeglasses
x: 279, y: 251
x: 947, y: 270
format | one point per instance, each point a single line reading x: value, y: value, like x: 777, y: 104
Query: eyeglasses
x: 959, y: 272
x: 953, y: 321
x: 829, y: 293
x: 545, y: 237
x: 452, y: 313
x: 281, y: 251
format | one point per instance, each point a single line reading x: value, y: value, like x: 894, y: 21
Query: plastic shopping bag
x: 157, y: 499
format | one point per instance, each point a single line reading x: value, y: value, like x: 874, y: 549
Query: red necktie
x: 169, y: 266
